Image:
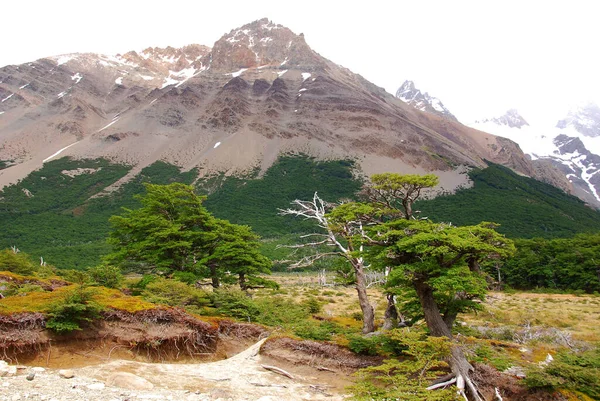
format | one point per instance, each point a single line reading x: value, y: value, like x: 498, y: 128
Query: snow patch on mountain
x: 409, y: 94
x: 572, y: 145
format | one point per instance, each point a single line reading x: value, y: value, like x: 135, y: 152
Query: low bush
x: 18, y: 263
x: 406, y: 379
x: 106, y: 275
x: 569, y: 370
x: 72, y: 312
x: 174, y: 293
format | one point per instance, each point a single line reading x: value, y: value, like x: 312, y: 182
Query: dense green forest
x: 524, y: 207
x: 54, y: 215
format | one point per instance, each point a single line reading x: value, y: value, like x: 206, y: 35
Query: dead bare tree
x: 337, y: 236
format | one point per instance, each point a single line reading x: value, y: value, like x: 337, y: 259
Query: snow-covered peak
x: 584, y: 119
x: 511, y: 119
x: 409, y: 94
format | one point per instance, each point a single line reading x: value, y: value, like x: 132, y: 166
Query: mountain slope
x: 259, y: 92
x: 524, y: 207
x: 572, y: 146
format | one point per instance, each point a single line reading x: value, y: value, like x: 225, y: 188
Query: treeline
x: 524, y: 207
x: 566, y: 264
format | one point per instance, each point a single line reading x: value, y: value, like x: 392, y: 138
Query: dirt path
x: 240, y: 377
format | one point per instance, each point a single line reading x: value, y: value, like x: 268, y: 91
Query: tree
x: 389, y: 196
x: 340, y: 230
x: 173, y: 232
x: 170, y: 232
x: 393, y: 196
x: 238, y: 248
x: 441, y: 264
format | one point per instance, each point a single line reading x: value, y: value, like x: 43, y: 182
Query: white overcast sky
x: 479, y: 57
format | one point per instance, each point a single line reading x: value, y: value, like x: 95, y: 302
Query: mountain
x: 572, y: 146
x: 422, y: 101
x: 80, y: 134
x: 584, y: 120
x: 511, y: 119
x: 259, y: 92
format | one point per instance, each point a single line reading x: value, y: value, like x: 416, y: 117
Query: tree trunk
x: 449, y: 318
x: 458, y: 362
x: 391, y: 314
x: 214, y: 277
x: 433, y: 318
x: 242, y: 281
x: 363, y: 299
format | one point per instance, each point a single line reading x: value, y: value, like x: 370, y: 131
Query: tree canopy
x: 173, y: 232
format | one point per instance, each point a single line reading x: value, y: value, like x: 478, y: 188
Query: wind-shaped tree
x: 440, y: 262
x: 172, y: 231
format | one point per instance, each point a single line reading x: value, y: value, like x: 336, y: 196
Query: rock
x: 96, y: 386
x: 38, y: 369
x: 66, y: 373
x: 129, y: 381
x: 30, y: 376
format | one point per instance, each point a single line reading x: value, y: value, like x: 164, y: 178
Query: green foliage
x: 275, y: 311
x: 438, y: 257
x: 255, y: 201
x: 169, y: 232
x: 563, y: 264
x: 106, y: 275
x: 174, y: 293
x: 72, y: 312
x: 393, y: 194
x: 173, y: 232
x: 63, y: 221
x: 316, y: 330
x: 13, y: 289
x: 569, y: 370
x: 406, y: 379
x: 236, y: 304
x: 312, y: 305
x: 488, y: 355
x: 18, y: 263
x: 524, y: 207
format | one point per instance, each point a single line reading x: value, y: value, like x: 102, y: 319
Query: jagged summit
x: 261, y: 43
x: 409, y: 94
x: 511, y: 119
x: 260, y: 92
x: 585, y: 120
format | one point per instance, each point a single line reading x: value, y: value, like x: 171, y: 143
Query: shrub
x: 313, y: 330
x: 235, y: 303
x: 74, y: 310
x: 17, y: 263
x: 174, y: 293
x: 569, y: 370
x: 406, y: 379
x: 106, y: 275
x: 312, y: 305
x: 364, y: 345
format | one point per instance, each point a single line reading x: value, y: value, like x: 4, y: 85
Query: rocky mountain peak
x: 409, y: 94
x: 167, y: 59
x: 585, y: 120
x: 261, y: 43
x: 511, y: 119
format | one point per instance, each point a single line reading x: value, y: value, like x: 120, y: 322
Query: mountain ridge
x: 259, y: 92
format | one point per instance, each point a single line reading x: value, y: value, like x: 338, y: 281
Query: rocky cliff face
x: 422, y: 101
x: 258, y: 92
